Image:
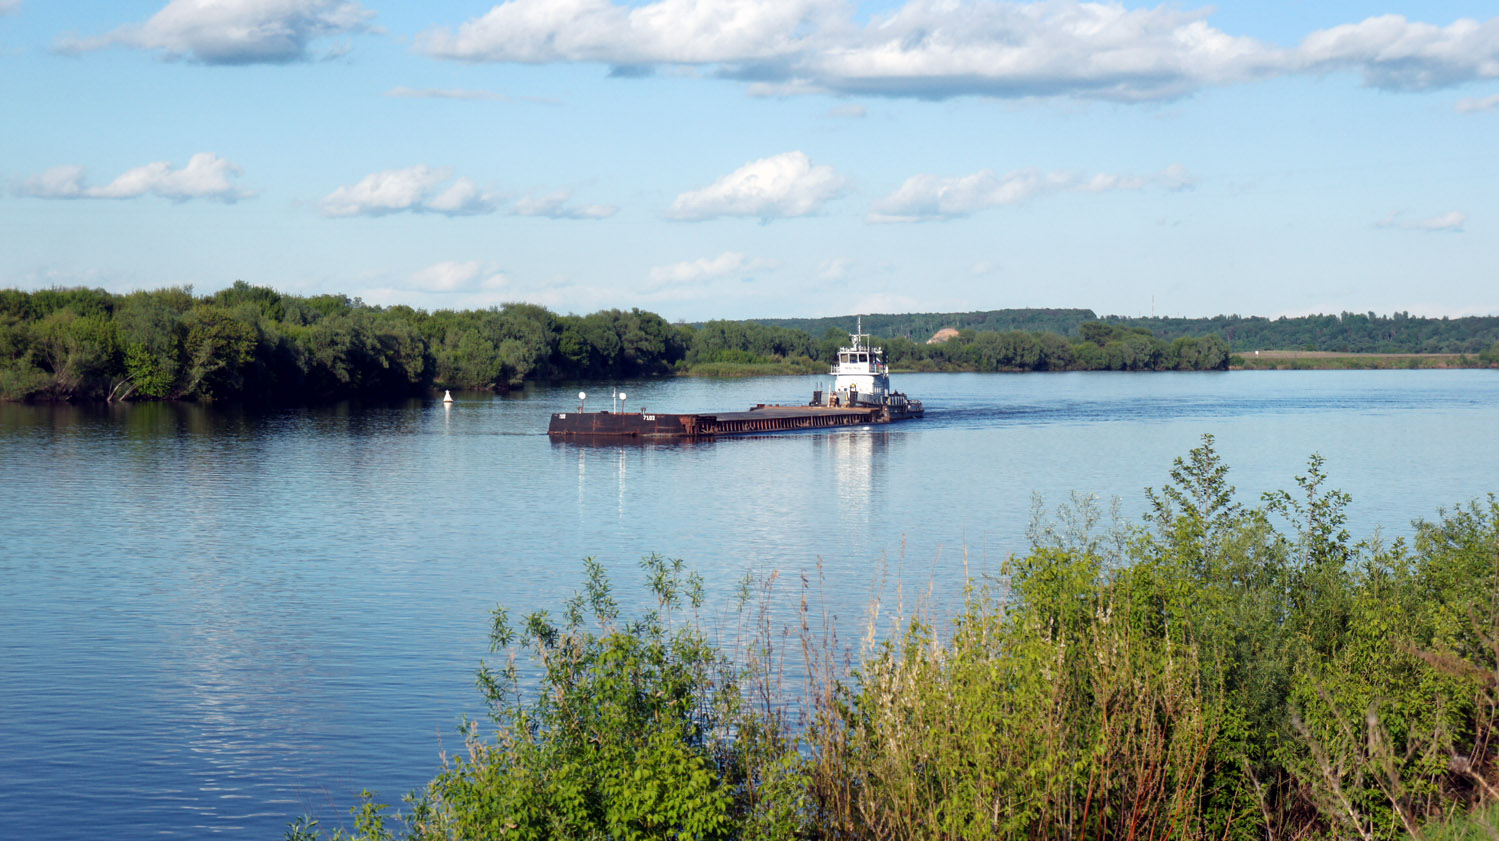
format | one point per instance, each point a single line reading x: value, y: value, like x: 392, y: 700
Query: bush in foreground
x: 1220, y: 671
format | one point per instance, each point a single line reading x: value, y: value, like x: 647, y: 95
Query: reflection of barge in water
x: 860, y: 396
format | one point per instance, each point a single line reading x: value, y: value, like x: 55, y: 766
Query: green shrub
x: 1220, y: 671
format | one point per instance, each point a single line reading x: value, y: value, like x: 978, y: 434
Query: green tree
x: 623, y: 739
x: 215, y: 346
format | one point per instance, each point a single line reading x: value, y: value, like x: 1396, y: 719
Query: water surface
x: 212, y: 621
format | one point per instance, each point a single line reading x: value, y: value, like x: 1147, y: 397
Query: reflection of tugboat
x: 861, y: 395
x: 862, y: 380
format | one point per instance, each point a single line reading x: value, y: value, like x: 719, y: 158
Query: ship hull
x: 758, y: 420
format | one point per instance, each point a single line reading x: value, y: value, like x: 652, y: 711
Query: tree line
x: 253, y: 343
x: 1221, y: 670
x: 1347, y: 332
x: 1099, y: 346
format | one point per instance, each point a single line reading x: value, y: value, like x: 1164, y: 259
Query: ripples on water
x: 214, y: 621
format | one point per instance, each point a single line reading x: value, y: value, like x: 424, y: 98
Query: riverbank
x: 1222, y: 671
x: 1265, y: 360
x: 1308, y: 360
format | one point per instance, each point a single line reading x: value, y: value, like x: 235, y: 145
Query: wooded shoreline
x: 253, y: 344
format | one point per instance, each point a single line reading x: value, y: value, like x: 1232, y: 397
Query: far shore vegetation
x: 253, y: 344
x: 1224, y: 670
x: 1304, y: 360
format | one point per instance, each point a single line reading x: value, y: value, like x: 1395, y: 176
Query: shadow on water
x: 164, y: 419
x: 614, y: 442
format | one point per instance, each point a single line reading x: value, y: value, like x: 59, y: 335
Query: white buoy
x: 447, y: 396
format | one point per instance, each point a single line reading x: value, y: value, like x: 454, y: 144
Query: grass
x: 1309, y: 360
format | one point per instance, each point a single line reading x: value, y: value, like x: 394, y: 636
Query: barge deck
x: 860, y: 395
x: 697, y: 425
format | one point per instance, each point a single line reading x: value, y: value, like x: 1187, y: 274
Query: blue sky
x: 743, y: 158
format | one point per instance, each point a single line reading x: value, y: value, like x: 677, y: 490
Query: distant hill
x: 1345, y: 333
x: 1349, y: 332
x: 918, y: 327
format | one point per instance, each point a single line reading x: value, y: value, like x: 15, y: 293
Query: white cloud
x: 836, y: 268
x: 1104, y: 182
x: 941, y: 48
x: 235, y: 31
x: 663, y: 32
x: 925, y: 198
x: 852, y: 112
x: 1451, y: 221
x: 1474, y: 104
x: 454, y: 276
x: 206, y: 176
x: 59, y: 182
x: 417, y: 189
x: 555, y: 206
x: 9, y: 7
x: 1175, y: 178
x: 461, y: 198
x: 425, y: 189
x: 936, y: 49
x: 687, y: 273
x: 1399, y: 54
x: 780, y: 186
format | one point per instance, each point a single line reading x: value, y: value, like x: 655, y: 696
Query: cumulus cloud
x: 235, y: 31
x: 418, y: 189
x: 1474, y: 104
x: 1399, y: 54
x: 936, y: 49
x: 781, y: 186
x: 556, y: 206
x: 687, y: 273
x: 925, y: 198
x: 1175, y: 178
x: 455, y: 276
x: 1451, y: 221
x: 942, y: 48
x: 425, y: 189
x: 835, y: 268
x: 663, y: 32
x: 206, y: 176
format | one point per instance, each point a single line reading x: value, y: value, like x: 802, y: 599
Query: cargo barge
x: 860, y: 396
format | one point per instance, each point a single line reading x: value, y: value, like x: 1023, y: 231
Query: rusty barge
x: 859, y: 395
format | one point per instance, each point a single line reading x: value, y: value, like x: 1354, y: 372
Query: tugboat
x: 860, y: 395
x: 861, y: 378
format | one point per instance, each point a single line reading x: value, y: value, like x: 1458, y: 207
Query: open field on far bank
x: 1300, y: 360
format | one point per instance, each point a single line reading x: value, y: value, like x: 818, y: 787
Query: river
x: 215, y: 620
